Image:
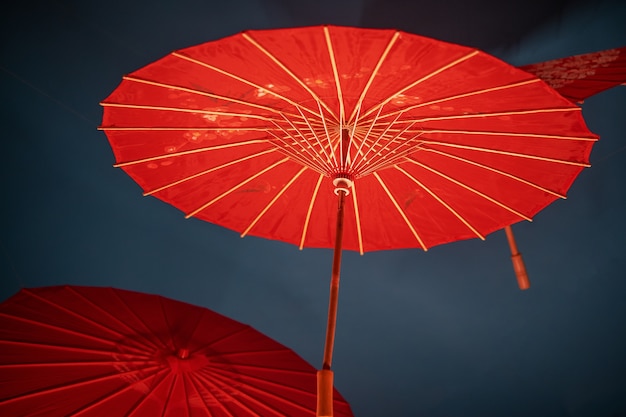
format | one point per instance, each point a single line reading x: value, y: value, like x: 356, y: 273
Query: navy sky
x: 443, y: 333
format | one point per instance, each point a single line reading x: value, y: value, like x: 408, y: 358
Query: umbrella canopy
x: 441, y: 142
x: 403, y: 140
x: 88, y: 351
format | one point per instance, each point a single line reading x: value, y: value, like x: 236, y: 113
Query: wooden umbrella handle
x: 518, y: 262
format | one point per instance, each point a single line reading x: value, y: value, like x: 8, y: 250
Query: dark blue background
x: 443, y: 333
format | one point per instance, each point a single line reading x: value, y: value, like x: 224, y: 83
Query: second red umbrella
x: 88, y: 351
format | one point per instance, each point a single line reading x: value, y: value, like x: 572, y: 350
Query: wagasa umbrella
x: 88, y: 351
x: 346, y: 138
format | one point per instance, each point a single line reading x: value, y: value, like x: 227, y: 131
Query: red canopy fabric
x: 85, y: 351
x: 439, y: 142
x: 579, y: 77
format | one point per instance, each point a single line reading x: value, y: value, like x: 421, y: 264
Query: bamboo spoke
x: 306, y: 145
x: 271, y: 203
x: 333, y: 63
x: 464, y: 95
x: 185, y: 110
x: 288, y: 149
x: 493, y: 114
x: 508, y: 134
x: 236, y: 187
x: 471, y: 189
x: 400, y: 211
x: 442, y: 202
x: 426, y: 77
x: 310, y: 210
x: 382, y: 58
x: 282, y: 66
x: 357, y: 219
x: 185, y: 128
x: 208, y: 171
x: 191, y: 151
x: 516, y: 154
x: 202, y: 93
x: 497, y: 171
x: 244, y: 81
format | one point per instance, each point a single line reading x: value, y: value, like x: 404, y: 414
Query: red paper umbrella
x: 581, y: 76
x: 346, y: 138
x: 85, y: 351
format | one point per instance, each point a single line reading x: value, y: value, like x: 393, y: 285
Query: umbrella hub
x: 342, y: 183
x: 185, y: 361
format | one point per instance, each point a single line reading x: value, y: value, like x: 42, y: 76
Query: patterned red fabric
x: 581, y: 76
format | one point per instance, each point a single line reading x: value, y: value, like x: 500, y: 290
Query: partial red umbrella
x: 87, y: 351
x: 581, y: 76
x: 342, y: 137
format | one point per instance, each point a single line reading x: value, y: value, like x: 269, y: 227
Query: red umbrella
x: 86, y: 351
x: 581, y: 76
x: 400, y: 140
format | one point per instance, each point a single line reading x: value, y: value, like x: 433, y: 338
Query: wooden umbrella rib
x: 182, y: 128
x: 387, y: 145
x: 351, y: 138
x: 209, y: 380
x: 90, y: 351
x: 196, y: 382
x: 102, y: 311
x: 381, y: 59
x: 333, y: 63
x: 314, y: 156
x: 75, y: 314
x: 191, y: 151
x: 471, y: 189
x: 86, y: 364
x: 442, y: 202
x: 400, y: 211
x: 331, y: 148
x: 185, y: 110
x: 516, y: 154
x: 207, y: 171
x: 512, y: 134
x: 371, y: 148
x: 286, y: 148
x: 256, y: 399
x: 283, y: 67
x: 310, y: 210
x: 133, y: 312
x: 464, y: 95
x: 357, y: 219
x: 493, y: 114
x: 264, y: 381
x: 420, y: 80
x: 497, y: 171
x: 416, y: 146
x: 201, y: 93
x: 319, y: 141
x: 271, y: 203
x: 369, y: 130
x: 107, y: 342
x: 168, y: 397
x: 242, y: 80
x: 45, y: 391
x: 120, y: 391
x: 241, y: 184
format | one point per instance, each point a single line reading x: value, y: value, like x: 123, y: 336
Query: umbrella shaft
x: 334, y: 286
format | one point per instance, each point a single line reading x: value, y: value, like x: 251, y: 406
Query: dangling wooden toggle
x: 518, y: 263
